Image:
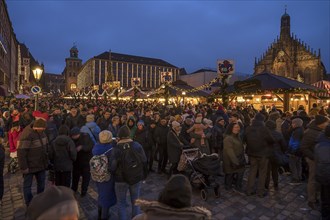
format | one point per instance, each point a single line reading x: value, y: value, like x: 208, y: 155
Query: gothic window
x: 281, y: 71
x: 307, y: 75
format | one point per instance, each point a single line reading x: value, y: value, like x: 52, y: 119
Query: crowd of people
x: 58, y: 142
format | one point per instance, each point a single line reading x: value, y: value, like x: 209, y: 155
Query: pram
x: 204, y: 168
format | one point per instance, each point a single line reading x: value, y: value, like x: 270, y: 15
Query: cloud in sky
x: 189, y: 34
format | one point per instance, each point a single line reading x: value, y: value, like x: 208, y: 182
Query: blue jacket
x: 295, y: 141
x: 92, y: 129
x: 322, y: 160
x: 106, y: 190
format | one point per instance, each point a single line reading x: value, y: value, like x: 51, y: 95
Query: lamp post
x: 37, y: 72
x: 183, y: 95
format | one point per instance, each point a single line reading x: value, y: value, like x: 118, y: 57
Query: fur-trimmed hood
x: 153, y: 210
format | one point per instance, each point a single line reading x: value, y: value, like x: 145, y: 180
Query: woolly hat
x: 39, y: 114
x: 64, y: 130
x: 327, y: 131
x: 320, y: 119
x: 177, y: 192
x: 55, y: 202
x: 140, y: 122
x: 259, y: 117
x: 90, y: 118
x: 175, y: 124
x: 178, y: 117
x: 124, y: 132
x: 75, y: 131
x: 39, y: 123
x: 105, y: 137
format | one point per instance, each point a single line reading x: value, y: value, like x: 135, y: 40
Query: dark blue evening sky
x: 189, y: 34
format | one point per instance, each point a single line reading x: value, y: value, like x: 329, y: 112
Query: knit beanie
x: 39, y: 124
x: 177, y: 192
x: 124, y: 132
x: 175, y: 124
x: 54, y: 203
x: 140, y: 122
x: 64, y: 130
x: 259, y: 117
x: 320, y: 119
x: 298, y: 122
x: 105, y: 137
x: 90, y: 118
x: 75, y: 131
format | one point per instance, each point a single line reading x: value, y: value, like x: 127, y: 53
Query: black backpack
x: 131, y: 165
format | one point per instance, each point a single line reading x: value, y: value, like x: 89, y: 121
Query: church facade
x: 291, y: 57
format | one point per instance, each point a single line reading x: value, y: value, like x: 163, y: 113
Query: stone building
x: 54, y: 83
x: 71, y: 70
x: 8, y: 53
x: 110, y: 66
x: 291, y: 57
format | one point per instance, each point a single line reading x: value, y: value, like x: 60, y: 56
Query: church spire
x: 285, y: 25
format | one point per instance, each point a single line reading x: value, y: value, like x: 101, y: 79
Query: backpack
x: 99, y: 167
x: 131, y: 165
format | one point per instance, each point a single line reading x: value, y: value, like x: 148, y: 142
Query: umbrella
x: 22, y: 96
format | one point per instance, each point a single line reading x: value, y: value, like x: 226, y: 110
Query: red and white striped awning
x: 324, y: 85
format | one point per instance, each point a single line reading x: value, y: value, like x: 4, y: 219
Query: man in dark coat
x: 174, y: 147
x: 62, y: 153
x: 32, y: 157
x: 84, y: 145
x: 259, y: 143
x: 217, y: 136
x: 187, y: 123
x: 104, y: 121
x: 74, y: 119
x: 314, y: 130
x: 161, y: 139
x: 322, y: 163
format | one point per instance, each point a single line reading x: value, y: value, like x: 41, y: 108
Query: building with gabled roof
x: 291, y: 57
x: 110, y: 66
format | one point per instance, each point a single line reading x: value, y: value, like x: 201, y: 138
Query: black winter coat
x: 258, y: 139
x: 77, y: 121
x: 143, y: 138
x: 322, y: 160
x: 161, y: 135
x: 310, y: 140
x: 174, y: 147
x: 85, y: 154
x: 280, y: 146
x: 62, y: 153
x: 217, y: 136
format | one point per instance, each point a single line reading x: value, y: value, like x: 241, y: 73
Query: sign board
x: 247, y: 85
x: 225, y: 67
x: 135, y: 82
x: 35, y: 89
x: 166, y: 77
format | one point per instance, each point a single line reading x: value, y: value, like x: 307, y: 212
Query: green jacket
x: 233, y: 153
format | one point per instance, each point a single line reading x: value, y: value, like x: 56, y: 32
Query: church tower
x: 290, y: 57
x: 73, y: 65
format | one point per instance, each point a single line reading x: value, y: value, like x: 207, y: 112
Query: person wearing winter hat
x: 122, y: 185
x: 84, y: 145
x: 314, y: 130
x: 106, y: 190
x: 174, y: 202
x: 91, y: 128
x: 322, y: 164
x: 32, y: 157
x: 56, y: 203
x: 259, y: 143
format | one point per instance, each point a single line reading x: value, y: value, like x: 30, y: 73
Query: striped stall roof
x: 324, y: 85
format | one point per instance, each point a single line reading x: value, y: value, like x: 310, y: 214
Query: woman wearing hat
x: 106, y: 189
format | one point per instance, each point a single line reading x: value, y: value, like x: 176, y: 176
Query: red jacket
x: 13, y: 137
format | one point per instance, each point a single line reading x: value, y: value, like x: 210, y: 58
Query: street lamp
x: 37, y: 72
x: 183, y: 94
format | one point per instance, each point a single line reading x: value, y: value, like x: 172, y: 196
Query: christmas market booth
x: 323, y: 97
x: 179, y: 92
x: 266, y: 90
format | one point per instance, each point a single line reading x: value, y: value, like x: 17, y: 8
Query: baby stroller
x: 204, y: 168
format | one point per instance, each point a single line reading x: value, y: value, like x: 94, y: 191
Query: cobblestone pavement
x: 287, y: 203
